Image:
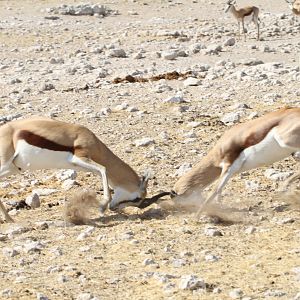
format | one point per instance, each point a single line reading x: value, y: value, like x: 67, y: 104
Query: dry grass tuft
x: 79, y: 206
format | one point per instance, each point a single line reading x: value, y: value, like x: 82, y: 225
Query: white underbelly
x: 30, y: 157
x: 268, y: 151
x: 248, y: 19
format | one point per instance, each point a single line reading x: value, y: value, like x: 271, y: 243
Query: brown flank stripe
x: 41, y: 142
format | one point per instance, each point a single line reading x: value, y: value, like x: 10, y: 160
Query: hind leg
x: 4, y: 173
x: 256, y: 22
x: 244, y: 31
x: 7, y: 156
x: 89, y: 165
x: 228, y: 171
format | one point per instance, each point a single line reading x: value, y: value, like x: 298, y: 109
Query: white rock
x: 129, y: 235
x: 296, y: 155
x: 277, y: 175
x: 84, y: 234
x: 119, y: 53
x: 66, y: 174
x: 85, y: 296
x: 191, y: 282
x: 236, y: 294
x: 183, y: 169
x: 132, y: 109
x: 44, y: 192
x: 161, y: 87
x: 212, y: 49
x: 195, y: 48
x: 251, y: 62
x: 179, y: 262
x: 143, y: 142
x: 14, y: 230
x: 33, y: 246
x: 148, y: 261
x: 68, y: 184
x: 175, y: 99
x: 211, y: 258
x: 211, y: 231
x: 169, y: 55
x: 286, y: 220
x: 297, y: 297
x: 229, y: 42
x: 250, y: 230
x: 9, y: 252
x: 105, y: 111
x: 231, y: 118
x: 121, y: 106
x: 194, y: 124
x: 33, y: 200
x: 191, y: 81
x: 7, y: 293
x: 252, y: 185
x: 274, y: 293
x: 3, y: 237
x: 40, y: 296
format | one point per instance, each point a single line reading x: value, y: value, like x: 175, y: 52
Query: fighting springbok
x: 294, y: 6
x: 243, y: 14
x: 246, y: 146
x: 41, y: 143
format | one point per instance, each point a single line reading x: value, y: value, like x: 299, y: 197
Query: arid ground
x: 65, y: 66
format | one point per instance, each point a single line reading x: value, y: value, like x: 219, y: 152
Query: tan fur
x: 234, y: 141
x: 240, y: 14
x: 82, y: 142
x: 295, y: 6
x: 86, y: 143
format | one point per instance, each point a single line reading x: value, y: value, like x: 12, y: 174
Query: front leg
x: 243, y: 25
x: 91, y: 166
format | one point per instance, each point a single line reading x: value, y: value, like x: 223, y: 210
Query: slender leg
x: 256, y: 22
x: 239, y: 29
x: 227, y: 172
x: 243, y: 25
x: 6, y: 173
x: 7, y: 217
x: 90, y: 165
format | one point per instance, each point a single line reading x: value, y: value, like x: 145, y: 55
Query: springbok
x: 294, y: 6
x: 246, y: 146
x: 242, y: 14
x: 41, y: 143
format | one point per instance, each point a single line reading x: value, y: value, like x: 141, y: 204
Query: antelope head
x: 133, y: 199
x: 229, y: 3
x: 290, y: 3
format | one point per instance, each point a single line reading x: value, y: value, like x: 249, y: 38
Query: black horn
x: 148, y: 201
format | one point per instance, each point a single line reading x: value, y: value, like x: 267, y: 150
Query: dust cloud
x: 79, y: 206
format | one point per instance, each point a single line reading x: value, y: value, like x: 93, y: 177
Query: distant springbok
x: 246, y: 146
x: 294, y: 6
x: 242, y: 14
x: 41, y: 143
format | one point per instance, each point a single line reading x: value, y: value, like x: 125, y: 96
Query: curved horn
x: 148, y: 201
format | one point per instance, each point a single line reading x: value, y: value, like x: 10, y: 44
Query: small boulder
x: 33, y: 200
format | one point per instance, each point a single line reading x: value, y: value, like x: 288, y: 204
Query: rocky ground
x: 71, y: 63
